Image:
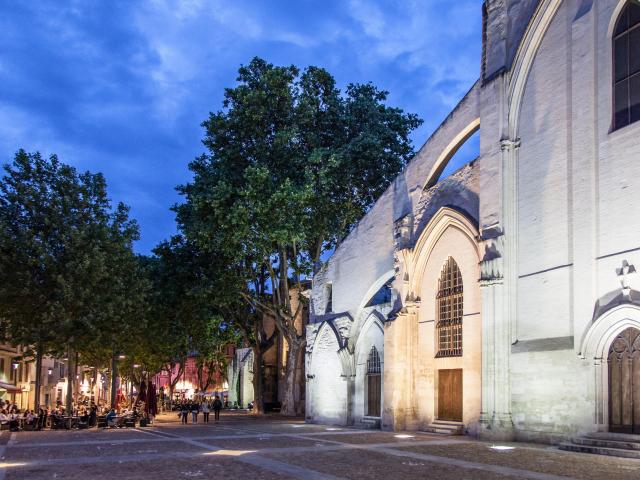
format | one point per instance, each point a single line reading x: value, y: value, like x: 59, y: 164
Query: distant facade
x: 187, y: 384
x: 18, y: 379
x: 504, y: 298
x: 274, y: 361
x: 240, y: 378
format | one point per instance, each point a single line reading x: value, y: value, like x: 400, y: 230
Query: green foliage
x: 69, y: 281
x: 188, y: 304
x: 292, y: 165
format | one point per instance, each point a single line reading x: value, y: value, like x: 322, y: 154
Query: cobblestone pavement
x: 242, y: 446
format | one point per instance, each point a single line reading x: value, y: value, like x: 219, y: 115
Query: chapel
x: 502, y: 301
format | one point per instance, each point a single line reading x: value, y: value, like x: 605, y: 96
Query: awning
x: 10, y: 388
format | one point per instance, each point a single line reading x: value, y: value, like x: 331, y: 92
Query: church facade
x: 503, y: 299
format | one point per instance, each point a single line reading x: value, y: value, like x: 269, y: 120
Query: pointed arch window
x: 449, y: 310
x: 626, y: 66
x: 374, y: 383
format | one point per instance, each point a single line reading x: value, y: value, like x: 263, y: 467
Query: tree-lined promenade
x: 291, y: 164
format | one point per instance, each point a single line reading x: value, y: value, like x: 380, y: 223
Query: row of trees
x: 291, y: 164
x: 72, y: 287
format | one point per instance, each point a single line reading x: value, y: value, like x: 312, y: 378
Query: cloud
x: 122, y: 87
x: 440, y: 36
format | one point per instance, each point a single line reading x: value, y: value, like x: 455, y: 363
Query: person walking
x: 184, y: 412
x: 40, y: 424
x: 205, y: 411
x: 217, y: 406
x: 93, y: 416
x: 194, y: 411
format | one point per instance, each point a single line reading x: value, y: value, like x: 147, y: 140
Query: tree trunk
x: 289, y: 407
x: 170, y: 392
x: 174, y: 382
x: 71, y: 368
x: 36, y: 397
x: 94, y: 387
x: 300, y: 381
x: 76, y: 379
x: 114, y: 379
x: 258, y: 406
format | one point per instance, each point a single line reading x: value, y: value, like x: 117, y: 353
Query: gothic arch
x: 595, y: 346
x: 614, y: 17
x: 326, y: 387
x: 373, y: 325
x: 600, y: 334
x: 450, y: 150
x: 371, y: 335
x: 525, y: 56
x: 375, y: 286
x: 527, y: 51
x: 445, y: 218
x: 362, y: 323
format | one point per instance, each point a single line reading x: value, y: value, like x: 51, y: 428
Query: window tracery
x: 449, y: 310
x: 626, y: 66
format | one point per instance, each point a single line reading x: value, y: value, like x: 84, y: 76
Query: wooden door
x: 374, y: 387
x: 624, y: 382
x: 450, y: 395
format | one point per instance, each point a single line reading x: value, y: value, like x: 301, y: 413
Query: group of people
x: 11, y: 416
x: 204, y: 407
x: 55, y: 417
x: 14, y: 418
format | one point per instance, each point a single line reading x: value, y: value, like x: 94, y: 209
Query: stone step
x: 606, y: 443
x: 444, y: 428
x: 613, y: 452
x: 622, y: 437
x: 447, y: 422
x: 372, y: 423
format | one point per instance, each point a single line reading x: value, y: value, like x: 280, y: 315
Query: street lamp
x: 50, y: 371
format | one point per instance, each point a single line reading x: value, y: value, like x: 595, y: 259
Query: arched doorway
x: 624, y: 382
x: 327, y: 391
x: 374, y: 384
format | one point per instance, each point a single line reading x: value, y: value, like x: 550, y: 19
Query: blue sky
x: 122, y: 87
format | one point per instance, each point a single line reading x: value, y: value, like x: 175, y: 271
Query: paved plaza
x: 242, y: 446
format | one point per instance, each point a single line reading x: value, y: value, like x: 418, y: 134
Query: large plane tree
x: 292, y: 163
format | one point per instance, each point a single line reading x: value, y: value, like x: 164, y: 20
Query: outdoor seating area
x: 83, y: 417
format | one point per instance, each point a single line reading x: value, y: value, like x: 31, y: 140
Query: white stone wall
x: 367, y: 254
x: 240, y: 376
x: 367, y: 259
x: 578, y: 216
x: 326, y: 385
x: 555, y: 197
x: 551, y: 395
